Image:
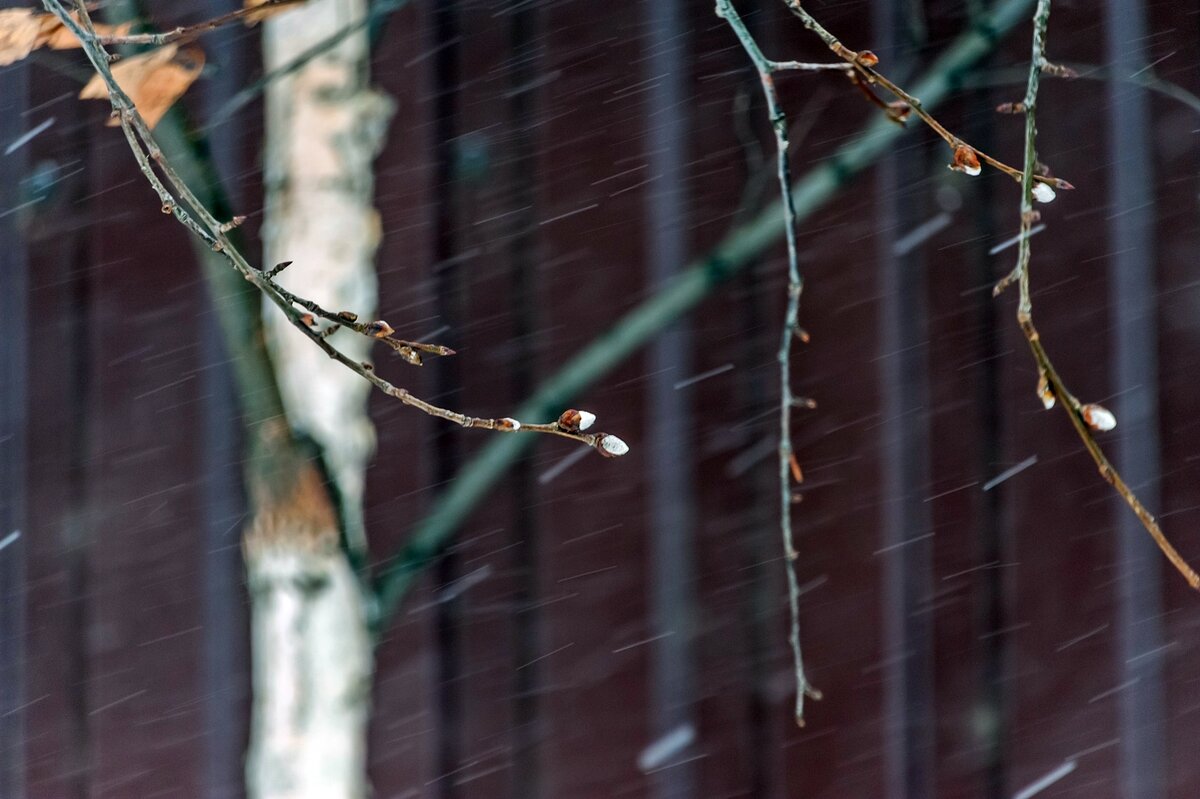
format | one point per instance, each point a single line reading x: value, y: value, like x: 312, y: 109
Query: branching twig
x: 1051, y: 387
x: 192, y: 31
x: 864, y: 63
x: 177, y: 199
x: 787, y: 463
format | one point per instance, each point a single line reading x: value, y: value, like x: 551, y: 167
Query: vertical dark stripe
x: 79, y: 517
x: 13, y: 362
x: 903, y: 380
x: 1132, y: 289
x: 446, y: 281
x: 669, y: 429
x: 524, y: 24
x: 225, y: 655
x: 993, y: 547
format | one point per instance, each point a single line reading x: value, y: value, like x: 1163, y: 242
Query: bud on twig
x: 1042, y: 192
x: 232, y: 223
x: 610, y: 446
x: 867, y: 58
x: 1044, y: 392
x: 899, y: 110
x: 574, y: 421
x: 349, y: 316
x: 378, y: 329
x: 966, y: 161
x: 1010, y: 108
x: 508, y: 423
x: 1098, y: 417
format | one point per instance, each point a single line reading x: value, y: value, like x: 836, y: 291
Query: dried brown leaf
x: 20, y: 34
x: 153, y: 81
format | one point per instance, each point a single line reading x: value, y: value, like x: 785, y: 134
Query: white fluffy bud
x: 586, y: 420
x: 1098, y: 417
x: 611, y: 446
x: 1042, y: 192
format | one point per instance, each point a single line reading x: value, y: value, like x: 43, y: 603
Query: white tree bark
x: 311, y: 668
x: 311, y: 650
x: 324, y: 128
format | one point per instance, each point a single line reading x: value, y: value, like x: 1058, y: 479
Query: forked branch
x: 1084, y: 417
x: 789, y: 468
x: 178, y: 200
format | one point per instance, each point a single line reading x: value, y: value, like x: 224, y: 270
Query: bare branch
x: 787, y: 459
x: 732, y: 254
x: 192, y: 31
x: 1084, y: 417
x: 178, y: 200
x: 864, y: 63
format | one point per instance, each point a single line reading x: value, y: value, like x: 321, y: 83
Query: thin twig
x: 864, y: 63
x: 766, y: 69
x: 177, y: 198
x: 1052, y: 382
x: 191, y: 31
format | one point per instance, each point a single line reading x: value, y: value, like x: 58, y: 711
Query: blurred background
x: 982, y: 614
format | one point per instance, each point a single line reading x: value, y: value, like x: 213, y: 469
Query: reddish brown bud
x: 966, y: 160
x: 308, y: 319
x: 378, y: 329
x: 1059, y: 183
x: 508, y: 423
x: 867, y: 58
x: 1011, y: 108
x: 570, y: 420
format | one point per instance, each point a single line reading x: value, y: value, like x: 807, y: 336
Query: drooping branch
x: 739, y: 248
x: 788, y: 467
x: 1084, y: 417
x: 966, y: 157
x: 179, y: 200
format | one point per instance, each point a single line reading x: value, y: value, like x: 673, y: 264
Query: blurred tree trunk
x: 312, y: 657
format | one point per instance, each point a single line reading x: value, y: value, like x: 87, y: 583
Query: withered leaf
x: 153, y: 80
x: 20, y: 34
x: 23, y: 30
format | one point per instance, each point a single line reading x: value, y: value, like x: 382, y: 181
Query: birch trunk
x: 312, y: 656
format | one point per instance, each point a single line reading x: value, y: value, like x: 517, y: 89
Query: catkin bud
x: 610, y: 446
x: 1098, y: 417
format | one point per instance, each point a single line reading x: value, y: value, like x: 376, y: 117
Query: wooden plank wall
x: 514, y: 193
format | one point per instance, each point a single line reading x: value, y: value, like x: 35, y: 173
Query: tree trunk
x: 311, y: 649
x: 311, y: 652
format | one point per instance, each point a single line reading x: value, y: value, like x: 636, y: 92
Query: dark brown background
x: 1012, y: 632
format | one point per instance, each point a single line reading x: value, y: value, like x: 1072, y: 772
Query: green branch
x: 641, y: 323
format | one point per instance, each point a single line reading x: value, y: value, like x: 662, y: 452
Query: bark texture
x: 324, y: 128
x: 312, y: 656
x: 311, y: 651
